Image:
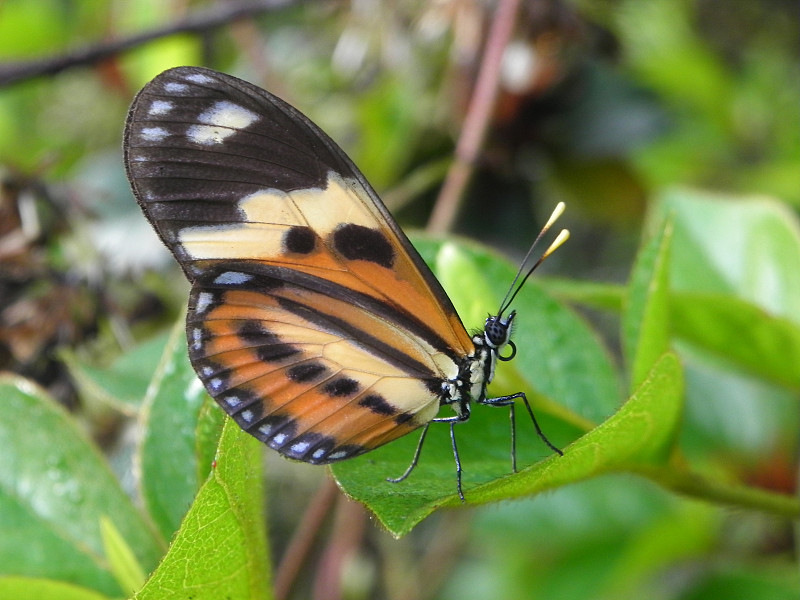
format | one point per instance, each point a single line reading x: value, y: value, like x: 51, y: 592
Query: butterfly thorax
x: 477, y: 369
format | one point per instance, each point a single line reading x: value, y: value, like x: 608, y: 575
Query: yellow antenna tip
x: 557, y: 212
x: 562, y: 237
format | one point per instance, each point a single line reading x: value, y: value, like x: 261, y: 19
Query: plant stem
x: 698, y: 486
x: 477, y: 121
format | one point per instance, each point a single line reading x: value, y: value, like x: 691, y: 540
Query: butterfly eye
x: 497, y: 330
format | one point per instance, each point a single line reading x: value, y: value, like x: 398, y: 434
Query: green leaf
x: 602, y: 296
x: 122, y: 561
x: 690, y: 530
x: 387, y: 112
x: 54, y: 488
x: 645, y: 320
x: 454, y: 265
x: 640, y: 433
x: 750, y: 581
x: 746, y: 247
x: 220, y: 550
x: 28, y: 588
x: 123, y: 385
x: 174, y: 452
x: 741, y: 333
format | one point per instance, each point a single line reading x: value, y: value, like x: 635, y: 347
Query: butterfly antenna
x: 562, y: 237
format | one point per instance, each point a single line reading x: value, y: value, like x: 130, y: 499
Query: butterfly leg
x: 457, y: 458
x: 453, y: 421
x: 414, y: 460
x: 509, y: 401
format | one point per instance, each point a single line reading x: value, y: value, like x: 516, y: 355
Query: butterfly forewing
x: 312, y: 320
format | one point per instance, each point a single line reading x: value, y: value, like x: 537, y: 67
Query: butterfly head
x: 497, y: 330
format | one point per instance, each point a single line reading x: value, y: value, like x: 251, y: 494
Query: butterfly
x: 312, y: 320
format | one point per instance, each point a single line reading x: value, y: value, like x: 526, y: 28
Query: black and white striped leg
x: 457, y: 458
x: 414, y: 460
x: 513, y: 437
x: 509, y: 401
x: 453, y: 421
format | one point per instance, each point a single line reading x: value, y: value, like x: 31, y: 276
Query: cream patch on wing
x: 221, y: 121
x: 375, y: 375
x: 444, y: 363
x: 344, y: 352
x: 404, y: 393
x: 268, y: 214
x: 408, y: 395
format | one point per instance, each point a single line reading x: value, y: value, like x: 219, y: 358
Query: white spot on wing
x: 215, y: 384
x: 199, y: 78
x: 300, y: 447
x: 265, y: 428
x: 247, y: 415
x: 232, y: 278
x: 197, y: 338
x: 159, y: 107
x: 154, y: 134
x: 337, y: 455
x: 175, y: 88
x: 232, y: 401
x: 221, y: 121
x: 279, y: 438
x: 318, y: 453
x: 204, y: 300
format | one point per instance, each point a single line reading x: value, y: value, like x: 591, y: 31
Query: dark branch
x: 14, y: 72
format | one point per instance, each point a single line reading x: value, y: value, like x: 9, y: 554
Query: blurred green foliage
x: 671, y: 129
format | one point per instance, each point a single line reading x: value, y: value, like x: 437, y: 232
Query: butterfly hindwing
x: 312, y: 319
x: 311, y: 375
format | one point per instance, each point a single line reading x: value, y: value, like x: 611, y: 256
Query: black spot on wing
x: 403, y: 418
x: 255, y: 333
x: 341, y: 386
x: 299, y: 240
x: 276, y: 352
x: 267, y: 344
x: 377, y: 404
x: 306, y: 372
x: 356, y: 242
